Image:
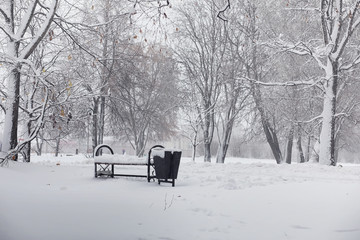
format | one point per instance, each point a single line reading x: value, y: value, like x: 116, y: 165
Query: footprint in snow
x: 301, y: 227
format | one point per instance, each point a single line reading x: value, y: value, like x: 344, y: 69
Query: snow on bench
x: 121, y: 159
x: 104, y: 164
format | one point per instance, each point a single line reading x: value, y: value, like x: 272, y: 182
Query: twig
x: 222, y: 12
x: 166, y: 205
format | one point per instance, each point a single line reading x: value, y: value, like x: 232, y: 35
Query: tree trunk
x: 12, y: 111
x: 224, y: 144
x: 27, y: 152
x: 101, y: 120
x: 336, y: 154
x: 289, y: 145
x: 140, y: 147
x: 308, y: 147
x: 194, y: 146
x: 222, y: 153
x: 104, y: 73
x: 13, y: 89
x: 271, y: 136
x: 39, y: 145
x: 270, y: 133
x: 272, y: 140
x: 95, y: 113
x: 207, y: 152
x: 57, y: 147
x: 141, y: 141
x: 314, y: 154
x: 299, y: 146
x: 193, y: 154
x: 327, y: 134
x: 208, y: 133
x: 27, y: 148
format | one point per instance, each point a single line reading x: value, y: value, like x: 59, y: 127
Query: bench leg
x: 148, y: 172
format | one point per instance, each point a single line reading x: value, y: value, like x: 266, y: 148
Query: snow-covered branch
x: 25, y: 21
x: 304, y: 9
x: 310, y: 82
x: 341, y: 115
x: 302, y: 49
x: 40, y: 119
x: 77, y: 25
x: 27, y: 51
x: 312, y: 119
x: 354, y: 63
x: 339, y: 46
x: 3, y: 108
x: 31, y: 65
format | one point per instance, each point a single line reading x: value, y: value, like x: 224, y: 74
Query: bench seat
x: 122, y: 160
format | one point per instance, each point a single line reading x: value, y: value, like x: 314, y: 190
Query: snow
x: 101, y: 146
x: 117, y: 158
x: 160, y: 152
x: 59, y: 198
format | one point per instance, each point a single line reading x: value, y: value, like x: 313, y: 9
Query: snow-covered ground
x: 59, y: 199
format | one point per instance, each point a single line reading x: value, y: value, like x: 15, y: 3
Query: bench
x: 104, y: 165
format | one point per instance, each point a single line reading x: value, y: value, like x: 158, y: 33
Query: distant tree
x: 201, y: 49
x: 144, y: 96
x: 235, y: 93
x: 190, y: 119
x: 101, y: 29
x: 255, y: 58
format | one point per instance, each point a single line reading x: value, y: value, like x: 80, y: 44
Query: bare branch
x: 323, y: 21
x: 7, y: 19
x: 221, y: 13
x: 352, y: 25
x: 310, y: 82
x: 311, y: 120
x: 353, y: 64
x: 3, y: 108
x: 11, y: 36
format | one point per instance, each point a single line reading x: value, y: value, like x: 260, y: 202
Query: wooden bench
x: 105, y: 165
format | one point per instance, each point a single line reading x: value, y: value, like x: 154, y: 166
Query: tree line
x: 146, y: 70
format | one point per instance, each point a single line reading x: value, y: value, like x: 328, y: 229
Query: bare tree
x: 234, y: 96
x: 254, y: 62
x: 144, y: 96
x: 201, y: 53
x: 191, y: 127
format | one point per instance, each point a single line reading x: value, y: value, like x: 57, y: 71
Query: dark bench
x: 104, y: 165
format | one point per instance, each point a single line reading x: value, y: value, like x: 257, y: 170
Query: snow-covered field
x: 242, y: 199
